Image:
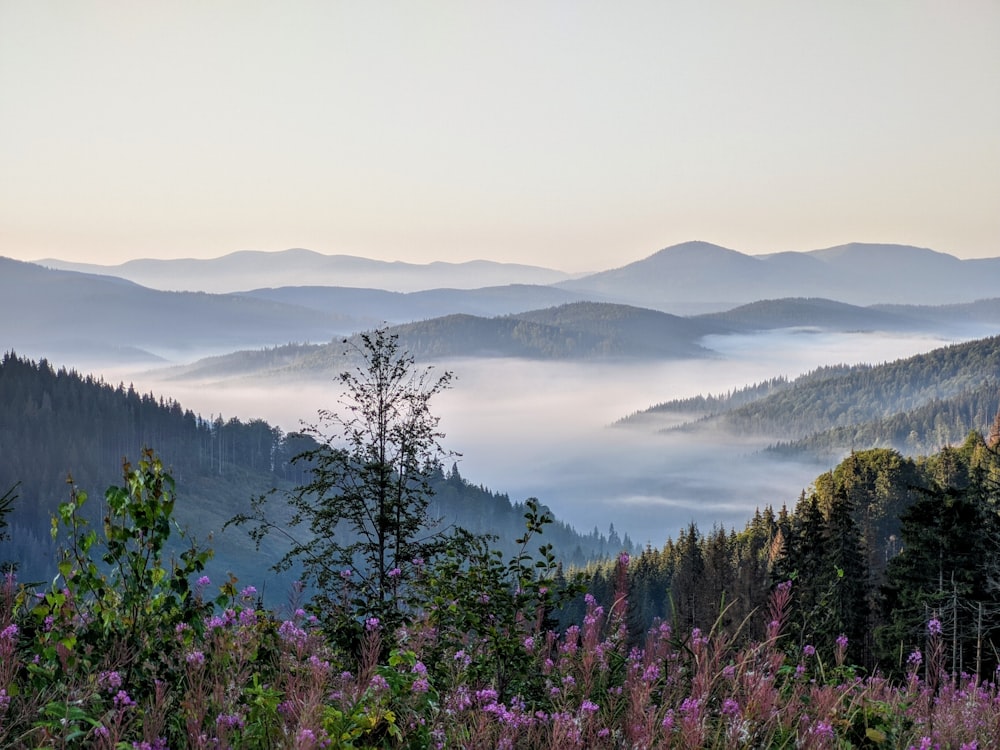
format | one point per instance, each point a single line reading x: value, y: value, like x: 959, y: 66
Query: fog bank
x: 542, y: 429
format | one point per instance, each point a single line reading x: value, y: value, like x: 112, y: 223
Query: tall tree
x: 365, y: 504
x: 943, y: 570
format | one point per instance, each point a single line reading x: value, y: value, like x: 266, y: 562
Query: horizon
x: 568, y: 136
x: 577, y: 273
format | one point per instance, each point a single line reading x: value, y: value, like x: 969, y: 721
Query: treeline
x: 866, y: 393
x: 919, y: 431
x: 56, y: 424
x: 915, y: 405
x: 875, y: 549
x: 702, y: 406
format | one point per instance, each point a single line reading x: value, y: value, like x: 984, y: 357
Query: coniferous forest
x: 866, y: 614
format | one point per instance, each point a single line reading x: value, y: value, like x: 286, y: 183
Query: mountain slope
x: 54, y: 313
x: 378, y: 306
x: 815, y: 313
x: 938, y: 396
x: 577, y: 331
x: 60, y: 422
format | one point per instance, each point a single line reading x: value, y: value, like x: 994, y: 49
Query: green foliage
x: 949, y: 563
x: 55, y: 419
x: 486, y: 607
x: 134, y: 598
x: 365, y: 504
x: 6, y: 506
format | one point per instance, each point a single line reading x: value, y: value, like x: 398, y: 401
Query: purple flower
x: 371, y: 624
x: 123, y: 700
x: 842, y: 641
x: 486, y: 695
x: 914, y: 660
x: 824, y: 730
x: 111, y: 680
x: 395, y: 573
x: 809, y: 650
x: 730, y: 708
x: 420, y: 685
x: 229, y: 721
x: 346, y: 574
x: 204, y: 581
x: 623, y: 559
x: 248, y: 593
x: 529, y: 644
x: 589, y: 707
x: 289, y: 632
x: 934, y: 626
x: 195, y: 658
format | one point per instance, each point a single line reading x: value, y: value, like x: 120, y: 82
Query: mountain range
x: 250, y: 269
x: 85, y: 317
x: 701, y: 274
x: 683, y: 279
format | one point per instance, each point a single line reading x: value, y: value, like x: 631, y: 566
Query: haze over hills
x: 103, y: 318
x: 797, y: 312
x: 538, y: 366
x: 47, y: 313
x: 251, y: 269
x: 917, y: 403
x: 688, y: 278
x: 701, y: 277
x: 576, y: 332
x: 376, y: 306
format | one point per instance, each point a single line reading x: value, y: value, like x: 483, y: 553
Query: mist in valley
x: 546, y: 429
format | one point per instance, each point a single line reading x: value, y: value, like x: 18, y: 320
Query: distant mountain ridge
x: 692, y: 274
x: 252, y: 269
x: 46, y: 312
x: 687, y: 278
x: 80, y: 317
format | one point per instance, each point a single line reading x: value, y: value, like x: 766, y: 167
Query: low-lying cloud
x: 543, y: 429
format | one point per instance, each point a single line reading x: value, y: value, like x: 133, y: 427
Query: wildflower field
x: 185, y: 669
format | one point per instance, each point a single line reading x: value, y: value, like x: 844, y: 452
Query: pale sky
x: 574, y: 135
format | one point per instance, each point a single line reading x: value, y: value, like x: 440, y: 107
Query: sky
x: 573, y: 135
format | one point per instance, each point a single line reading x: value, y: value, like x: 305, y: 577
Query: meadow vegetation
x: 409, y: 638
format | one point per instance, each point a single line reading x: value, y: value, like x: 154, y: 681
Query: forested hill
x: 816, y: 312
x: 54, y: 424
x: 872, y: 550
x: 919, y: 403
x: 572, y: 331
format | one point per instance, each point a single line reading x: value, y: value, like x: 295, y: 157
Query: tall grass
x: 240, y: 676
